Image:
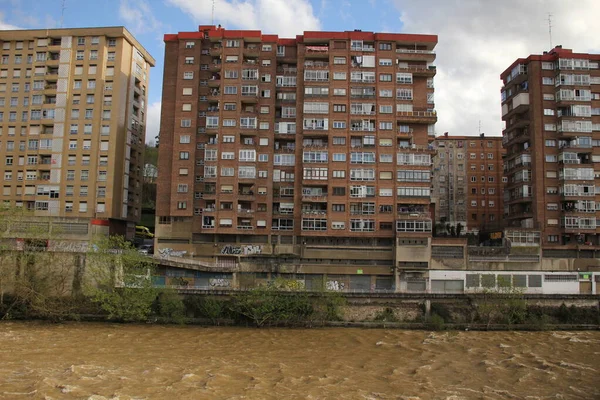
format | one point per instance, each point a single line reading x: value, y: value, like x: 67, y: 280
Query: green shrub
x: 170, y: 306
x: 436, y: 323
x: 386, y: 315
x: 441, y: 310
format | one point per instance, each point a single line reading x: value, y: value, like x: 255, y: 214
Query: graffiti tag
x: 76, y: 247
x: 335, y: 286
x: 219, y: 282
x: 241, y: 250
x: 169, y: 252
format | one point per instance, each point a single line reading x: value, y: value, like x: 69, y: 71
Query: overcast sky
x: 478, y: 39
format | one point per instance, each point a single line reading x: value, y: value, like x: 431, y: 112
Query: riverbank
x: 271, y: 308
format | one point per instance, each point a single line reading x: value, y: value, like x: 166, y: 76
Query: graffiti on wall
x: 169, y: 252
x: 336, y: 286
x: 231, y: 250
x: 219, y: 282
x: 67, y: 246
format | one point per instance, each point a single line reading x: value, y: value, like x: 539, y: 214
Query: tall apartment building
x: 315, y: 149
x: 468, y: 182
x: 72, y: 126
x: 551, y: 106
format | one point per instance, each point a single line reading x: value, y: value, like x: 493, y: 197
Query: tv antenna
x: 62, y: 12
x: 212, y: 17
x: 550, y: 28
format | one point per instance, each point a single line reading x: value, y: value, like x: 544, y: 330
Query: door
x: 585, y: 287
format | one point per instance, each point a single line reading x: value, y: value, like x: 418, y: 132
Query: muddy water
x: 98, y: 361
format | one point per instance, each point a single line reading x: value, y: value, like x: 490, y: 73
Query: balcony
x: 316, y: 129
x: 520, y: 136
x: 315, y: 199
x: 215, y: 66
x: 413, y: 225
x: 415, y: 54
x: 251, y: 50
x: 419, y: 70
x: 309, y: 64
x: 317, y: 51
x: 287, y: 71
x: 246, y: 195
x: 314, y: 213
x: 214, y: 81
x: 427, y: 117
x: 215, y: 51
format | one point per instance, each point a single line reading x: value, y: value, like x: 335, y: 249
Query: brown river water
x: 111, y: 361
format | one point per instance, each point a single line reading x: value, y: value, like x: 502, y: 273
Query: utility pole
x: 550, y: 28
x: 62, y: 13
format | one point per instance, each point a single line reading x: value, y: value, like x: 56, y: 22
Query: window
x: 339, y: 60
x: 186, y: 123
x: 187, y: 91
x: 385, y: 62
x: 339, y: 191
x: 547, y: 81
x: 385, y: 125
x: 385, y: 77
x: 189, y: 45
x: 548, y: 111
x: 404, y: 77
x: 341, y: 157
x: 184, y: 155
x: 188, y: 75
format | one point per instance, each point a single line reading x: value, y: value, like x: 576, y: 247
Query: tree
x: 459, y: 229
x: 119, y: 279
x: 504, y: 303
x: 33, y: 281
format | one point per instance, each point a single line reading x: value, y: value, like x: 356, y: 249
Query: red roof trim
x: 287, y: 42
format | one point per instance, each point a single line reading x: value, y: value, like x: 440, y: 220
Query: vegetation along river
x: 112, y: 361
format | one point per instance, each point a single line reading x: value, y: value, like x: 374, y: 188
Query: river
x: 112, y: 361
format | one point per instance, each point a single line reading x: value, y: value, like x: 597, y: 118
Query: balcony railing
x: 411, y: 51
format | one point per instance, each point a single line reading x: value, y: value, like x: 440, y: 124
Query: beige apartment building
x: 551, y: 107
x: 72, y: 126
x: 312, y: 151
x: 468, y: 182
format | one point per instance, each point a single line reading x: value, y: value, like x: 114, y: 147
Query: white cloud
x: 4, y: 26
x: 286, y: 18
x: 479, y: 39
x: 139, y: 17
x: 152, y: 121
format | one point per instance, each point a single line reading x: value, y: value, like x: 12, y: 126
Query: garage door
x: 447, y: 286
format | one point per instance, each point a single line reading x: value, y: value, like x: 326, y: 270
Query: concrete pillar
x: 427, y: 308
x: 397, y: 281
x: 234, y: 280
x: 78, y: 276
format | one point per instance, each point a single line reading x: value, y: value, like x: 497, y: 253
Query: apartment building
x: 551, y: 107
x: 314, y: 149
x: 72, y: 126
x: 468, y: 182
